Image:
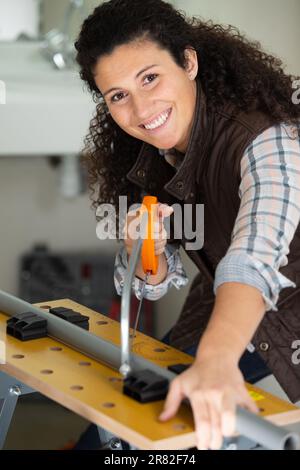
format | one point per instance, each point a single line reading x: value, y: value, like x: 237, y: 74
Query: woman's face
x: 148, y: 95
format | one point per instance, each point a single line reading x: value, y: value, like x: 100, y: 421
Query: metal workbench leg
x: 109, y: 441
x: 240, y: 443
x: 10, y: 390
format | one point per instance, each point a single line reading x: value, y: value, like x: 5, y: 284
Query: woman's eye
x: 117, y: 97
x: 151, y: 77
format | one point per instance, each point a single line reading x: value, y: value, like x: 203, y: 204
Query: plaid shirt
x: 268, y: 216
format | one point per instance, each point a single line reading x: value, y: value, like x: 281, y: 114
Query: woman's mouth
x: 159, y: 122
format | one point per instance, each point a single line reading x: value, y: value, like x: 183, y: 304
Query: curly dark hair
x: 230, y: 68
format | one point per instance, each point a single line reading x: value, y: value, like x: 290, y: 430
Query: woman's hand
x: 160, y: 241
x: 214, y: 387
x: 159, y: 231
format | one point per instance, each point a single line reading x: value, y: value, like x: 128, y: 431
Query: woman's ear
x: 191, y: 63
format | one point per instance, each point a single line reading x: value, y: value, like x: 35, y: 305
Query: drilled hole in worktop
x: 18, y: 356
x: 47, y: 371
x: 115, y: 379
x: 108, y: 405
x: 159, y: 350
x: 55, y: 348
x: 101, y: 322
x: 179, y: 427
x: 84, y: 363
x: 46, y: 307
x: 261, y: 410
x: 76, y: 387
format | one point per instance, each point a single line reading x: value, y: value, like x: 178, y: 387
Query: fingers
x: 216, y: 435
x: 214, y: 414
x: 207, y: 411
x: 159, y: 247
x: 247, y: 402
x: 164, y: 210
x: 202, y: 420
x: 131, y: 230
x: 173, y: 400
x: 131, y: 226
x: 214, y: 394
x: 159, y: 233
x: 251, y: 406
x: 228, y: 419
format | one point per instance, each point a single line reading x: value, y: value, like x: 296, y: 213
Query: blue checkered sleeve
x: 268, y: 216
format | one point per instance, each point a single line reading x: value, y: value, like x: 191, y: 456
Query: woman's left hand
x: 214, y: 387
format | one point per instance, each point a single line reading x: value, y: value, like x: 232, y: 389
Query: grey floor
x: 39, y: 423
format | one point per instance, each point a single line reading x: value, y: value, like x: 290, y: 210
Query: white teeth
x: 158, y: 122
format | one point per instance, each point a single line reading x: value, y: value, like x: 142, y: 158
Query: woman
x: 192, y: 112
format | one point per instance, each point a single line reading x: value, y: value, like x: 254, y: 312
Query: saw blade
x: 140, y: 304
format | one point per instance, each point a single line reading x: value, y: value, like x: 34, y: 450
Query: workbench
x: 94, y: 390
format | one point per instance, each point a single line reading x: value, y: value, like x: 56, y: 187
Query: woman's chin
x: 164, y: 144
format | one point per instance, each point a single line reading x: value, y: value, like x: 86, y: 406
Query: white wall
x: 275, y: 23
x: 32, y: 210
x: 53, y: 14
x: 18, y: 17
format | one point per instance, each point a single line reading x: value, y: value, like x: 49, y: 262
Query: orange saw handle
x: 149, y: 259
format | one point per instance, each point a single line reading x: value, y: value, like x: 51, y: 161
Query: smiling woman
x: 226, y: 64
x: 191, y: 111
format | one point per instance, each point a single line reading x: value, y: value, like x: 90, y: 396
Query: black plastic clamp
x: 145, y: 386
x: 71, y: 316
x: 26, y: 326
x: 178, y: 368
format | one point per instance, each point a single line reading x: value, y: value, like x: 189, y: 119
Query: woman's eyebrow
x: 137, y: 76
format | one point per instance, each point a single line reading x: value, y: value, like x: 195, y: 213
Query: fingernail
x: 163, y: 415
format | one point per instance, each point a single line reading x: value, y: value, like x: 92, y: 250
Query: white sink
x: 47, y: 111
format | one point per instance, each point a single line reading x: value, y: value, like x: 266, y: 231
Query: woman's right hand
x: 159, y: 232
x: 160, y: 241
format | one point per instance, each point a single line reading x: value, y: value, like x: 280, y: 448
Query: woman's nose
x: 141, y: 106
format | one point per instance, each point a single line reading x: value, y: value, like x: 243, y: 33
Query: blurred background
x: 49, y: 247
